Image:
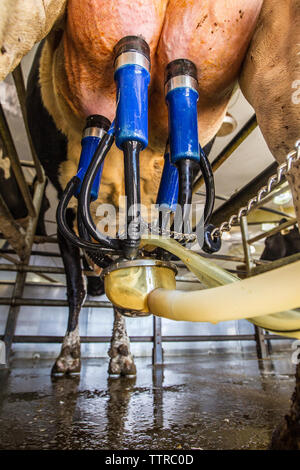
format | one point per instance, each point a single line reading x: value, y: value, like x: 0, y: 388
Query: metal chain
x: 282, y: 170
x: 180, y: 237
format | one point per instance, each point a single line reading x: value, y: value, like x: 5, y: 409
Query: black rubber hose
x: 84, y: 198
x: 82, y: 231
x: 186, y: 171
x: 96, y: 256
x: 209, y: 181
x: 63, y: 226
x: 131, y: 150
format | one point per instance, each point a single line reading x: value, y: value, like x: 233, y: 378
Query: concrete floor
x: 200, y: 402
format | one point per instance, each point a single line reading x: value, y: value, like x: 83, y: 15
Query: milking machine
x: 132, y: 77
x: 181, y: 93
x: 185, y: 157
x: 167, y: 196
x: 129, y: 277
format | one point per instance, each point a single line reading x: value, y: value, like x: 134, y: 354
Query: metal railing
x: 20, y: 240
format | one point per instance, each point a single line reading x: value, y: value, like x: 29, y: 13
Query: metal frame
x: 261, y: 236
x: 261, y: 347
x: 16, y: 301
x: 263, y: 337
x: 241, y: 197
x: 22, y: 246
x: 141, y: 339
x: 235, y: 142
x: 20, y: 241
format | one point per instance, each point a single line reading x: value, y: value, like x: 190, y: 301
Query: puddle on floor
x: 214, y: 402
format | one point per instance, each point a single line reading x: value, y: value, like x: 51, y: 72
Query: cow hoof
x: 95, y: 286
x: 122, y: 366
x: 287, y: 435
x: 68, y: 362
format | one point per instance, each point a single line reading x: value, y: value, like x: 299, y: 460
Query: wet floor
x: 213, y: 402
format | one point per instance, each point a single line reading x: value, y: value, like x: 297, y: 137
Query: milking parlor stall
x: 149, y: 225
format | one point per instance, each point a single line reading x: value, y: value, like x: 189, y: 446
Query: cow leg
x: 68, y: 360
x: 121, y: 360
x: 287, y: 435
x: 270, y: 82
x: 95, y: 285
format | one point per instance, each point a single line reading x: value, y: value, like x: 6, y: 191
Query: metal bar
x: 274, y: 230
x: 51, y: 302
x: 15, y: 162
x: 44, y: 239
x: 269, y: 344
x: 275, y: 211
x: 276, y: 264
x: 158, y: 392
x: 33, y: 253
x: 191, y: 339
x: 58, y: 255
x: 265, y: 209
x: 260, y: 222
x: 27, y: 163
x: 37, y: 269
x: 11, y: 230
x: 261, y: 348
x: 246, y: 247
x: 55, y: 270
x: 20, y: 87
x: 10, y: 258
x: 32, y: 223
x: 142, y: 339
x: 241, y: 198
x: 40, y: 239
x: 47, y: 278
x: 53, y: 283
x: 157, y: 357
x: 13, y: 313
x: 237, y: 140
x: 14, y: 310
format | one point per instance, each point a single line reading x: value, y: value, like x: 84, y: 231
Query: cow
x: 255, y: 44
x: 72, y: 78
x: 281, y: 245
